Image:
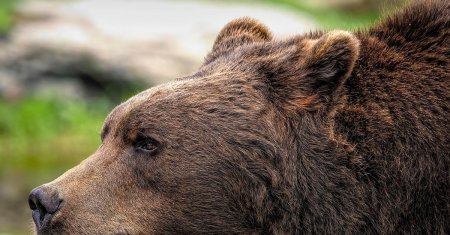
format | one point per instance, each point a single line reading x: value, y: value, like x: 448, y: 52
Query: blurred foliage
x: 41, y: 137
x: 6, y: 14
x: 351, y: 17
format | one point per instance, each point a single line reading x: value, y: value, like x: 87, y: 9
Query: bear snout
x: 44, y: 202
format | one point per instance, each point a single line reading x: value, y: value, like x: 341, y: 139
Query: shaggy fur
x: 326, y: 133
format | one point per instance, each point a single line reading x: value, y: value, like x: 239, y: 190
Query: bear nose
x: 44, y: 202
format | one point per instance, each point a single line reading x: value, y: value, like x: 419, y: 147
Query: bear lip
x: 42, y: 224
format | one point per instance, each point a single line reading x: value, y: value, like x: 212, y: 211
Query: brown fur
x: 326, y: 133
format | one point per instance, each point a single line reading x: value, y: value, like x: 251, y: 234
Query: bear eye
x: 147, y: 145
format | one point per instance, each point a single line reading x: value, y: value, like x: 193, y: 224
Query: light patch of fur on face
x: 147, y: 95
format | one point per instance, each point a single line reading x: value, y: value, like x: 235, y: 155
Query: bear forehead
x: 151, y: 95
x: 222, y: 88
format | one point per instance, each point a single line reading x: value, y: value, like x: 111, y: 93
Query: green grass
x: 41, y: 137
x: 6, y: 14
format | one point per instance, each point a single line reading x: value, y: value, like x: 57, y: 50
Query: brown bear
x: 325, y: 133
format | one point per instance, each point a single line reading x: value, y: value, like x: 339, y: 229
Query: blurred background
x: 65, y: 64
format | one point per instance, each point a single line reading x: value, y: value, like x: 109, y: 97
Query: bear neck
x: 325, y: 177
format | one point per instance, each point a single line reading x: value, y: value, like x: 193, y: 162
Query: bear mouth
x: 41, y: 222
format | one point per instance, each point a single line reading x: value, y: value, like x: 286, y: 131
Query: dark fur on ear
x: 330, y: 62
x: 325, y: 64
x: 237, y: 33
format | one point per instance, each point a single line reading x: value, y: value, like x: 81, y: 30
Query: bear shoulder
x: 422, y: 26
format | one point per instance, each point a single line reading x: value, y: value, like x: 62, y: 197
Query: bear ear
x: 326, y: 65
x: 237, y: 33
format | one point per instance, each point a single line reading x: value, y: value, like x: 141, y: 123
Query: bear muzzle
x: 44, y: 202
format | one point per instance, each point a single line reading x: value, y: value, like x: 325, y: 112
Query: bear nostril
x: 31, y: 203
x: 44, y: 204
